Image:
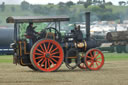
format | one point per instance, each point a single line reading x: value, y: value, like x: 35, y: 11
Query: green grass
x: 108, y: 57
x: 115, y: 56
x: 6, y: 59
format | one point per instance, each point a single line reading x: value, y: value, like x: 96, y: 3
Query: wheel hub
x: 47, y: 55
x: 94, y: 59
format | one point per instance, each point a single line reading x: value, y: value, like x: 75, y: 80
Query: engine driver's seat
x: 30, y: 39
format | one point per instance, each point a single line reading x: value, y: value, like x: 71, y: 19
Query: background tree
x: 69, y: 3
x: 104, y: 1
x: 50, y: 3
x: 80, y: 2
x: 61, y: 3
x: 3, y: 6
x: 87, y: 3
x: 122, y: 3
x: 109, y: 3
x: 102, y: 6
x: 25, y: 5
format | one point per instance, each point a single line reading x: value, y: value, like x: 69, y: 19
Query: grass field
x: 115, y: 56
x: 6, y: 58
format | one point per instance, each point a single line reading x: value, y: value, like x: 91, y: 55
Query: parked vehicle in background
x: 119, y: 40
x: 6, y: 38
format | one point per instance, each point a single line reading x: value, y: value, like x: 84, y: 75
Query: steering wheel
x: 52, y: 33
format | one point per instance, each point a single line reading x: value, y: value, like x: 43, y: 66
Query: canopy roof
x: 36, y: 19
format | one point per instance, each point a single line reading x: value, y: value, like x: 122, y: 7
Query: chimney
x: 87, y: 14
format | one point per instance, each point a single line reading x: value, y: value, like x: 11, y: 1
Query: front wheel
x: 46, y: 55
x: 94, y: 59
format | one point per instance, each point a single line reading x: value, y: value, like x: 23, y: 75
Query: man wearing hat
x: 31, y: 32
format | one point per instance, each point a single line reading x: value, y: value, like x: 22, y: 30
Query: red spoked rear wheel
x: 46, y: 55
x: 94, y: 59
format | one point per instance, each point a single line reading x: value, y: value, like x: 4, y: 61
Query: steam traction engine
x: 52, y: 49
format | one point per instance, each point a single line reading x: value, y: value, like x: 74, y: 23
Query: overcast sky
x: 49, y: 1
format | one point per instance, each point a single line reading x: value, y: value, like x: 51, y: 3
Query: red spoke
x: 45, y: 47
x: 89, y: 57
x: 54, y: 50
x: 91, y: 64
x: 51, y: 61
x: 96, y: 55
x: 91, y: 54
x: 48, y: 46
x: 43, y: 62
x: 97, y: 64
x: 42, y: 56
x: 55, y: 53
x: 42, y: 48
x: 46, y: 64
x: 37, y: 54
x: 98, y: 61
x: 40, y: 51
x: 56, y: 56
x: 38, y: 57
x: 51, y: 48
x: 39, y: 61
x: 89, y: 60
x: 54, y: 60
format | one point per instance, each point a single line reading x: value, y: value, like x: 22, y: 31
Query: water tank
x: 6, y: 36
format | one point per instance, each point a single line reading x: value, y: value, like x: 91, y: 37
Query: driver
x: 31, y: 32
x: 78, y: 34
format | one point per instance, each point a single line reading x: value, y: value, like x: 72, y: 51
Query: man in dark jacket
x: 78, y: 34
x: 31, y: 32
